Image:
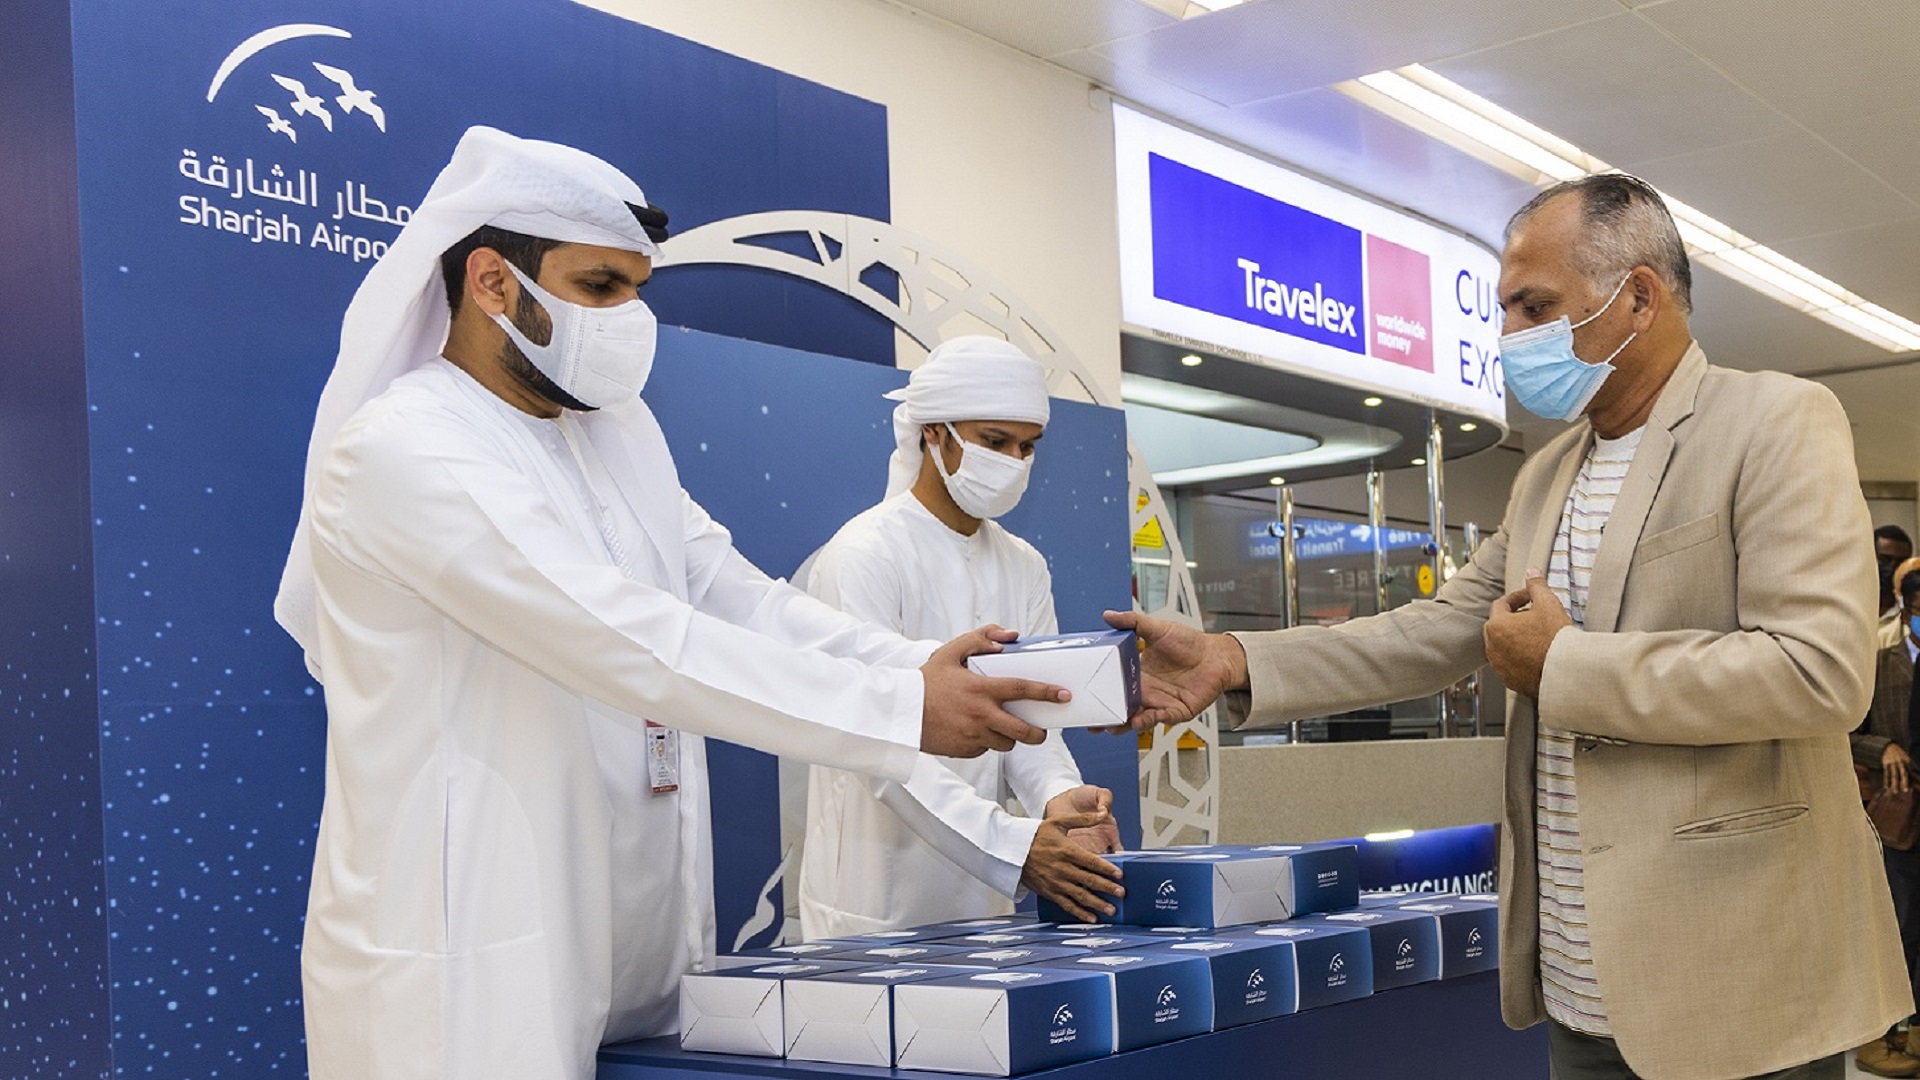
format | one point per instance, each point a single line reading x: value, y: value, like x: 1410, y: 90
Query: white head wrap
x: 399, y: 317
x: 968, y: 378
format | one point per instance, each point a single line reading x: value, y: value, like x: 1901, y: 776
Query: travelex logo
x: 1234, y: 252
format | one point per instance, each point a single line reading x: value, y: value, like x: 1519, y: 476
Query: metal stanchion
x: 1289, y: 578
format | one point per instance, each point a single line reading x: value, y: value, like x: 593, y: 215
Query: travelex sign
x: 1225, y: 250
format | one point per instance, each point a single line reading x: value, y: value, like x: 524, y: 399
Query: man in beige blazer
x: 1738, y: 916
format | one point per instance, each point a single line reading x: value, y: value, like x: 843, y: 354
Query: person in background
x: 880, y: 854
x: 1884, y: 745
x: 525, y: 626
x: 1891, y: 547
x: 1682, y: 611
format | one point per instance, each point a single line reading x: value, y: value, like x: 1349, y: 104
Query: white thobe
x: 497, y: 888
x: 879, y: 854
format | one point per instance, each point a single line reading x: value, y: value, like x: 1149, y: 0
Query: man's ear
x: 489, y: 281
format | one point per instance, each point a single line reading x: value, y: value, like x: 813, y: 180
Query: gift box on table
x: 997, y: 1023
x: 1158, y: 995
x: 739, y: 1010
x: 846, y: 1017
x: 1102, y: 669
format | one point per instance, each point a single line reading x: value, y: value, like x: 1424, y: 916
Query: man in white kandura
x: 881, y: 854
x: 525, y: 627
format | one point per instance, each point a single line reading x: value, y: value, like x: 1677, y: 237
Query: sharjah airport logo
x: 334, y: 87
x: 1062, y: 1016
x: 1167, y: 996
x: 1338, y: 963
x: 1406, y: 947
x: 1256, y: 979
x: 1166, y: 888
x: 1473, y: 936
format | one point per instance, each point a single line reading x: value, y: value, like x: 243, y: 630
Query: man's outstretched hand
x: 962, y: 716
x: 1068, y: 874
x: 1181, y: 669
x: 1088, y: 799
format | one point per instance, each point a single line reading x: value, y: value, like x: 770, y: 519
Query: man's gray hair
x: 1627, y: 224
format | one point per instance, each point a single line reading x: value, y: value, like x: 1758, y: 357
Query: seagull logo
x: 305, y: 104
x: 352, y: 99
x: 278, y: 124
x: 1062, y: 1016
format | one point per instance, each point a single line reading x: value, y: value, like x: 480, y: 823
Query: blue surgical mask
x: 1546, y: 377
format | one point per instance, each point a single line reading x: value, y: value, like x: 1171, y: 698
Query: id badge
x: 663, y: 758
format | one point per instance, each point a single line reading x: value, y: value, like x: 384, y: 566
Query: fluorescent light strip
x: 1442, y: 108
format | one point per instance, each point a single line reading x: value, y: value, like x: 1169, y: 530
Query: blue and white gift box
x: 1406, y: 943
x: 1469, y: 933
x: 997, y: 1023
x: 1252, y: 979
x: 768, y: 954
x: 1158, y: 996
x: 1207, y: 889
x: 1102, y: 669
x: 846, y: 1017
x: 738, y: 1010
x: 1008, y: 956
x: 1331, y: 964
x: 1326, y: 877
x: 997, y: 924
x: 903, y: 952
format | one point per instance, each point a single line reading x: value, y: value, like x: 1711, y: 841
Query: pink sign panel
x: 1400, y: 305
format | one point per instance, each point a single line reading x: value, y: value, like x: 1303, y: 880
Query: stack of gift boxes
x: 1207, y: 938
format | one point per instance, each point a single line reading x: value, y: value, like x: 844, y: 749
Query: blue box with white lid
x: 1326, y: 877
x: 1008, y: 956
x: 1469, y: 932
x: 1406, y: 944
x: 1251, y: 979
x: 903, y: 952
x: 997, y: 1023
x: 1100, y: 940
x: 1208, y: 889
x: 739, y: 1010
x: 1330, y: 964
x: 846, y: 1017
x: 1158, y: 995
x: 995, y: 939
x: 993, y: 924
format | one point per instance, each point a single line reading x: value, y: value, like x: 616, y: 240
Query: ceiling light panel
x: 1439, y: 107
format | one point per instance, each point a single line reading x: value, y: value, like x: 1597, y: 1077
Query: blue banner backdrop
x: 223, y: 226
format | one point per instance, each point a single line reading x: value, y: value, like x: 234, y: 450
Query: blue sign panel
x: 1319, y: 538
x: 1224, y: 249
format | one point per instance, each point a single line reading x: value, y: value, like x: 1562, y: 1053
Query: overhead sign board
x: 1229, y: 252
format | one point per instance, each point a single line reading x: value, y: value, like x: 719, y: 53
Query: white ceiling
x: 1796, y: 122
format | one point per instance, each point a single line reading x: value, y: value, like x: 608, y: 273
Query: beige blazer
x: 1739, y: 914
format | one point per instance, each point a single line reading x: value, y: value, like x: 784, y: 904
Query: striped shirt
x: 1566, y: 957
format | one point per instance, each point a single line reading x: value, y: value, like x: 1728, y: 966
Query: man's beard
x: 533, y: 322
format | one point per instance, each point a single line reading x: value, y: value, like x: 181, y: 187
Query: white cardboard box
x: 996, y: 1023
x: 1102, y: 669
x: 739, y: 1010
x: 846, y: 1017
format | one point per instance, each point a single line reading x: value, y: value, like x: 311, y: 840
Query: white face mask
x: 987, y: 483
x: 601, y: 356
